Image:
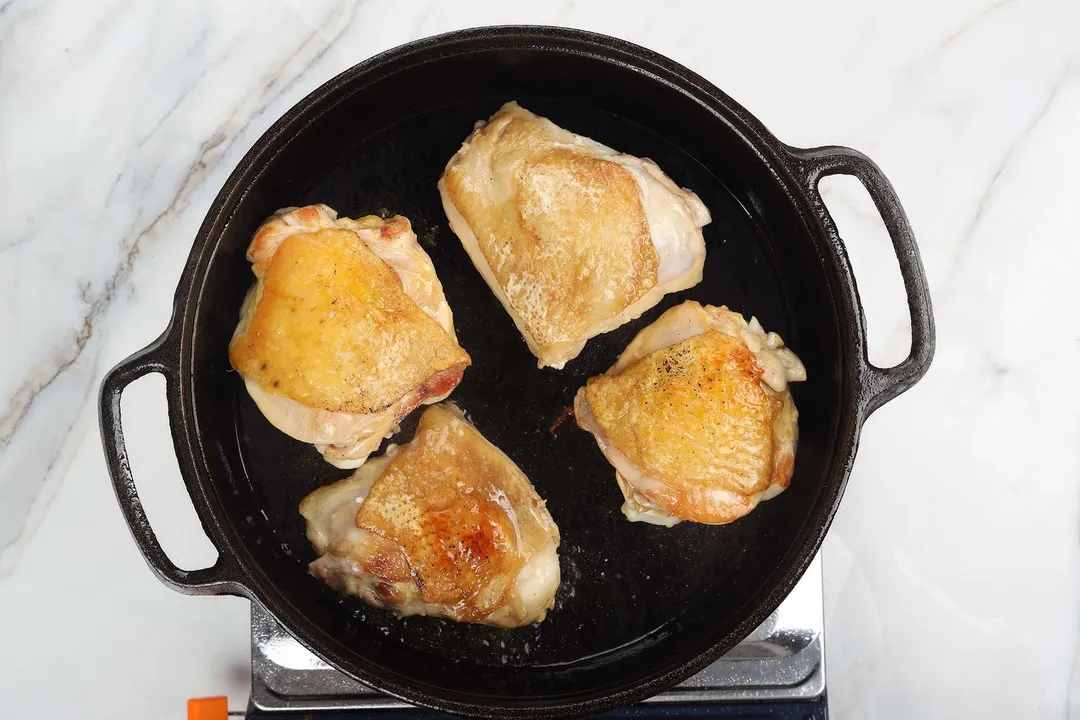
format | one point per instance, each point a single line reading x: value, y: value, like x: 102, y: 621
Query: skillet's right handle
x: 882, y: 384
x: 216, y: 580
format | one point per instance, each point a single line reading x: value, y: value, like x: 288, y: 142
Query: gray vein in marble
x: 9, y: 553
x: 968, y: 26
x: 6, y: 9
x: 9, y: 18
x: 166, y: 115
x: 15, y: 242
x: 24, y: 397
x: 990, y: 191
x: 274, y: 84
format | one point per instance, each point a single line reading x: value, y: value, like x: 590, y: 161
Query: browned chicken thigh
x: 696, y: 416
x: 573, y: 238
x: 446, y: 525
x: 346, y: 330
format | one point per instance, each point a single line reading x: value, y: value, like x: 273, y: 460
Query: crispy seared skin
x: 333, y: 328
x: 560, y: 229
x: 694, y: 416
x: 447, y: 529
x: 689, y: 421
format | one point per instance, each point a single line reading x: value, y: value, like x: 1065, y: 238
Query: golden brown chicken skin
x: 446, y: 525
x: 573, y: 238
x: 696, y: 416
x: 346, y: 330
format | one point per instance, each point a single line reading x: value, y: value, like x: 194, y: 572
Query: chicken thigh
x: 573, y: 238
x: 696, y: 416
x: 346, y: 330
x: 446, y: 525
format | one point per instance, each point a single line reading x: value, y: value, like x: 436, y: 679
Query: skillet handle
x: 880, y: 385
x: 215, y: 580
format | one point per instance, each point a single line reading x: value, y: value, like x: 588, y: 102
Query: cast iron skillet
x: 640, y: 607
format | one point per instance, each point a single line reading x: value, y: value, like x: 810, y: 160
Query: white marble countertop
x: 952, y: 571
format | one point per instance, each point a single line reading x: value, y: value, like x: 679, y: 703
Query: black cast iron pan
x: 640, y: 607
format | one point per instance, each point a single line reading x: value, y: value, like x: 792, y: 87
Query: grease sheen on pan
x: 574, y: 238
x: 446, y: 525
x: 345, y: 331
x: 696, y: 416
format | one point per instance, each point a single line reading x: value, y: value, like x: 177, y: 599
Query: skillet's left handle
x: 881, y: 384
x: 219, y: 579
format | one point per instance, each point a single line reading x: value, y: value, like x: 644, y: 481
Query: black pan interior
x: 636, y: 600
